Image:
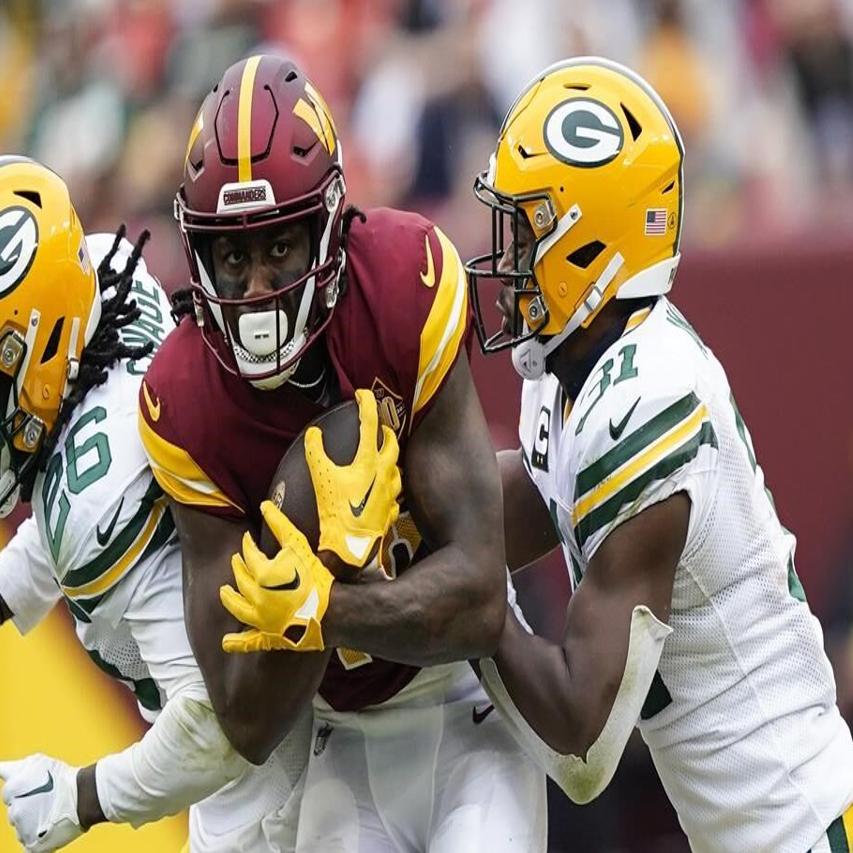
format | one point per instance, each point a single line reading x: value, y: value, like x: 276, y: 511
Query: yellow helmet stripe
x: 309, y: 115
x: 325, y: 115
x: 198, y: 126
x: 244, y: 120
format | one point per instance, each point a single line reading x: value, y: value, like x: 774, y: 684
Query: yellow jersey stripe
x: 178, y: 473
x: 646, y: 459
x: 244, y: 120
x: 193, y: 494
x: 636, y: 318
x: 111, y: 577
x: 444, y: 327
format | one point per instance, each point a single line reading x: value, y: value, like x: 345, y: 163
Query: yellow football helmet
x: 590, y: 157
x: 50, y: 306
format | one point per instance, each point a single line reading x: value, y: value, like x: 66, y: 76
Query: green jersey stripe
x: 163, y: 533
x: 122, y: 541
x: 145, y: 689
x: 837, y: 837
x: 82, y: 609
x: 638, y: 440
x: 604, y: 514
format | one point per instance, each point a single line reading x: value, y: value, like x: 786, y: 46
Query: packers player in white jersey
x: 79, y: 319
x: 687, y: 617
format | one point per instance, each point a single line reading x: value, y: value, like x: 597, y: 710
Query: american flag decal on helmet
x: 655, y: 221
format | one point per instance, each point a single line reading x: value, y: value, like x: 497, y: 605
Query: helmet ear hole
x: 633, y: 124
x: 585, y: 255
x: 52, y: 345
x: 31, y: 196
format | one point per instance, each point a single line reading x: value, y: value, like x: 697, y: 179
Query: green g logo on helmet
x: 583, y: 132
x: 18, y: 244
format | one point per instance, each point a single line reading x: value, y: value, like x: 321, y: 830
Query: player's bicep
x: 207, y: 544
x: 257, y: 697
x: 452, y: 484
x: 529, y: 529
x: 633, y: 567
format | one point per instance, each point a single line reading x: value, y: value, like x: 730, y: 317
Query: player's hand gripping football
x: 282, y: 599
x: 356, y: 503
x: 40, y: 794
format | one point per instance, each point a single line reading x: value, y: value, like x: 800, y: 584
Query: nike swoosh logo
x: 104, y: 537
x: 42, y: 789
x: 616, y: 431
x: 358, y: 509
x: 428, y: 277
x: 479, y: 716
x: 153, y: 408
x: 285, y: 587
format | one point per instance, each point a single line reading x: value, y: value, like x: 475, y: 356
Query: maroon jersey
x: 215, y: 441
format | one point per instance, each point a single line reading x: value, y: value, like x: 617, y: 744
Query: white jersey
x: 102, y: 536
x: 103, y: 522
x: 741, y: 717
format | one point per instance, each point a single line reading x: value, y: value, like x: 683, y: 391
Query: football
x: 293, y: 492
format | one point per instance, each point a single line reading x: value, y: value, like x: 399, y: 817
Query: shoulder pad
x: 636, y: 423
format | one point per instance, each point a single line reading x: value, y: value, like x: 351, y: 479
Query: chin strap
x: 529, y: 357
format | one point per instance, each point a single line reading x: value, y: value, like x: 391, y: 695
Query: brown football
x: 292, y: 491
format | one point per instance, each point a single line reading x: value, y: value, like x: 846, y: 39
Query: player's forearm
x: 182, y: 759
x: 529, y: 531
x: 258, y: 697
x: 89, y: 810
x: 565, y: 711
x: 444, y: 608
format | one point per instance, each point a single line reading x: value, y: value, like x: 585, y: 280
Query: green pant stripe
x: 117, y: 548
x: 630, y: 446
x: 603, y: 515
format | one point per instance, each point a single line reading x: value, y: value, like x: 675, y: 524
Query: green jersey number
x: 626, y: 371
x: 86, y: 461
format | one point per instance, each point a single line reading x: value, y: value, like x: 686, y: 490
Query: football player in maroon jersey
x: 297, y: 301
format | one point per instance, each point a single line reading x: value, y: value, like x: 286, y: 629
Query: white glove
x: 40, y: 794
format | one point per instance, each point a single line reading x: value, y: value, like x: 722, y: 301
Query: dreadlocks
x: 182, y: 300
x: 105, y: 348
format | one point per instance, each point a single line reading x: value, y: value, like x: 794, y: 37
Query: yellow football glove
x: 356, y: 503
x: 291, y: 590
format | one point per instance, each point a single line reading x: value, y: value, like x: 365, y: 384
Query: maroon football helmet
x: 263, y: 150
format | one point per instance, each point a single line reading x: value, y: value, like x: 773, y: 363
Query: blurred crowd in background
x: 105, y: 92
